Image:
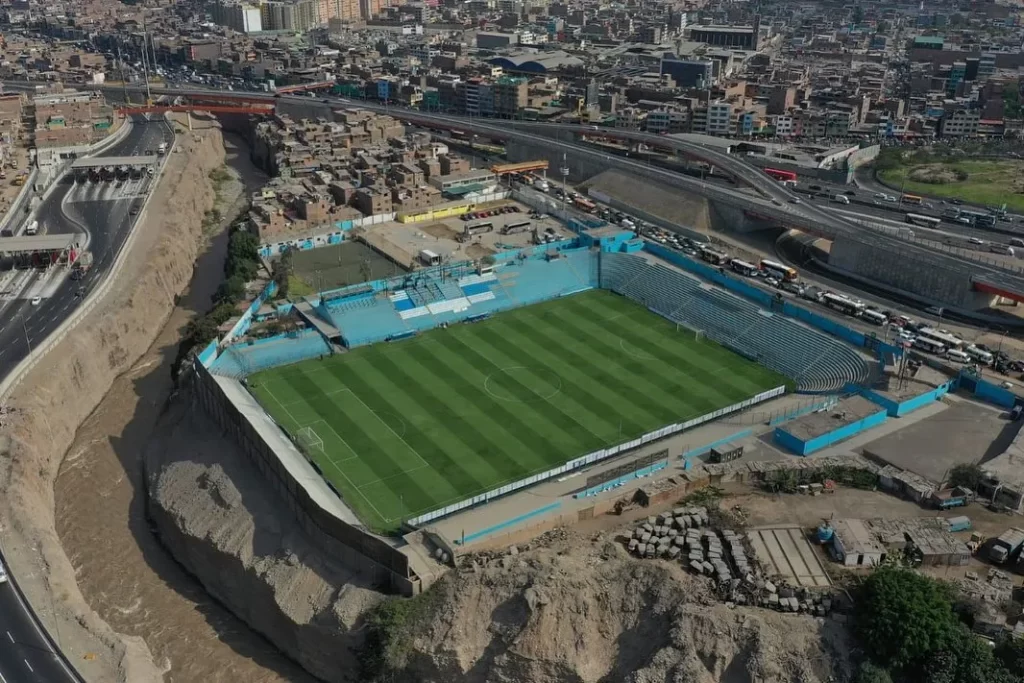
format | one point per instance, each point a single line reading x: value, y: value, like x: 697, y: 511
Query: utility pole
x: 145, y: 62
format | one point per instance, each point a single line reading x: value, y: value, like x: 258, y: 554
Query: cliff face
x: 70, y: 382
x: 217, y: 516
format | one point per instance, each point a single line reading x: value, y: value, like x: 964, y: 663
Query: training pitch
x: 406, y: 427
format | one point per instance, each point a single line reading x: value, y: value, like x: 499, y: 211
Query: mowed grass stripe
x: 492, y: 456
x: 746, y: 376
x: 635, y: 405
x: 582, y: 404
x: 664, y: 389
x: 581, y: 378
x: 565, y: 433
x: 438, y: 455
x: 703, y: 377
x: 367, y: 439
x: 678, y: 384
x: 517, y: 437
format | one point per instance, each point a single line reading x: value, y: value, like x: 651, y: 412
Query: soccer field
x: 410, y: 426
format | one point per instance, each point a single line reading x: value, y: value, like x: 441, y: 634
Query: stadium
x: 417, y: 396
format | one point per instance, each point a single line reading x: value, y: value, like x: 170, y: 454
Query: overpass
x: 916, y: 266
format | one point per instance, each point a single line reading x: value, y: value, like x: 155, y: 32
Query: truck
x: 82, y: 265
x: 32, y: 228
x: 1006, y: 546
x: 958, y: 496
x: 161, y: 149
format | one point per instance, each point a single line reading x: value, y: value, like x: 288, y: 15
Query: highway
x: 100, y: 213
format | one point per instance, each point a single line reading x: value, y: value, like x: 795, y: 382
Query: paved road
x: 101, y: 214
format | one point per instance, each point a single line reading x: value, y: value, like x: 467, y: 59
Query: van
x: 1017, y: 242
x: 957, y: 356
x: 983, y: 357
x: 841, y: 198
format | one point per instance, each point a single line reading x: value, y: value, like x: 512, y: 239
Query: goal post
x: 309, y: 440
x: 698, y: 335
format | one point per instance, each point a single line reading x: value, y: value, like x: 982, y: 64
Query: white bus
x: 923, y: 221
x: 743, y: 268
x: 874, y: 317
x: 843, y: 304
x: 983, y: 357
x: 939, y: 337
x: 929, y: 346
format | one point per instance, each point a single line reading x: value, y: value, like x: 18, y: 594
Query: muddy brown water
x: 123, y: 571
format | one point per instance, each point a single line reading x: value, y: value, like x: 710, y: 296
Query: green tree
x: 872, y: 673
x: 968, y: 475
x: 1010, y: 653
x: 904, y: 617
x: 966, y: 658
x: 231, y: 290
x: 283, y: 269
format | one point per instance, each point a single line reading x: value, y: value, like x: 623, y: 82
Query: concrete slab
x: 785, y: 551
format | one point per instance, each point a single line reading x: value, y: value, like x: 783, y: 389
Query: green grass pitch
x: 410, y: 426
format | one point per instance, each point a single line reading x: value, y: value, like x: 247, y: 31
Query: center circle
x: 523, y: 384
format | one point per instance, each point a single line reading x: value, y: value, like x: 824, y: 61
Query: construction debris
x: 721, y: 555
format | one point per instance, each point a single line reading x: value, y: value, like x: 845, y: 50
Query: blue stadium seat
x: 816, y: 361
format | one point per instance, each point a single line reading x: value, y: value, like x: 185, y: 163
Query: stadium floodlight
x: 309, y: 440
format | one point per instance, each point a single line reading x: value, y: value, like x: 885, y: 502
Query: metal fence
x: 591, y: 458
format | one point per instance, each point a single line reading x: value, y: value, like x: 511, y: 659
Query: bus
x: 923, y: 221
x: 715, y: 258
x: 938, y: 337
x: 780, y: 175
x: 978, y: 219
x: 911, y: 199
x: 513, y: 228
x: 743, y: 268
x: 784, y: 273
x: 584, y: 204
x: 929, y: 346
x: 844, y: 305
x: 874, y: 317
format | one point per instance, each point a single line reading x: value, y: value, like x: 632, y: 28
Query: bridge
x: 964, y: 282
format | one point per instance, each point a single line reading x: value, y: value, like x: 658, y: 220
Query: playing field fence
x: 591, y: 458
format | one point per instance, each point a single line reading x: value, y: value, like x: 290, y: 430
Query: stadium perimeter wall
x: 721, y: 278
x: 350, y: 544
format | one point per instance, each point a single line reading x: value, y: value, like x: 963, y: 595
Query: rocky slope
x: 64, y: 389
x: 582, y: 611
x: 213, y: 510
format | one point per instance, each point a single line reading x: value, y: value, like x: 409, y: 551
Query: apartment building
x: 960, y: 123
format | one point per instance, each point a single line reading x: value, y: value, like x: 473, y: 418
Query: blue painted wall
x: 897, y: 409
x: 801, y: 447
x: 994, y: 394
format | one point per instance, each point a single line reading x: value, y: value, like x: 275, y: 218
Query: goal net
x: 309, y: 440
x: 698, y: 335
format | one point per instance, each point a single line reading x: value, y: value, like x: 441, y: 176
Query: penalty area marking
x: 631, y: 350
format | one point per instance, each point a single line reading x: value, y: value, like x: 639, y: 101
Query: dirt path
x: 100, y: 508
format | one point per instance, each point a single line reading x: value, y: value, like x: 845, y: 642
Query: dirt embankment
x: 62, y: 392
x: 216, y: 514
x: 579, y: 610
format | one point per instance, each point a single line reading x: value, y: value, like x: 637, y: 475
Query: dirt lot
x: 964, y: 432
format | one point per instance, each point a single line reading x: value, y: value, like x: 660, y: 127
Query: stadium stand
x: 404, y: 305
x: 241, y: 360
x: 817, y: 362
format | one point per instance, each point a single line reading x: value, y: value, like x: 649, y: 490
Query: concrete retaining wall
x: 354, y: 547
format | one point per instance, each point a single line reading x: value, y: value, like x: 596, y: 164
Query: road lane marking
x: 9, y: 633
x: 29, y: 666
